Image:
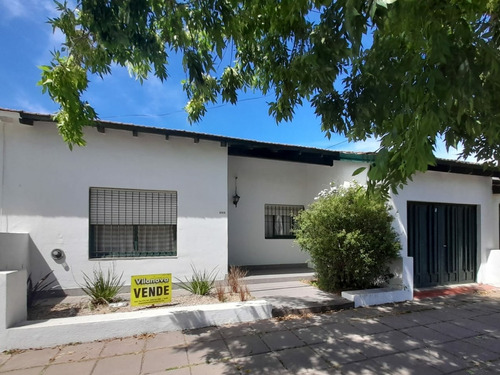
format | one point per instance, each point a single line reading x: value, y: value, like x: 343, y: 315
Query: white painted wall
x: 14, y: 251
x: 455, y: 189
x: 262, y: 181
x: 45, y: 191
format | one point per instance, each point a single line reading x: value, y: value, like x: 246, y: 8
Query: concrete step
x: 281, y: 310
x: 275, y: 278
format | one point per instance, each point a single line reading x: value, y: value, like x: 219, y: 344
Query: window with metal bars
x: 279, y: 220
x: 132, y: 223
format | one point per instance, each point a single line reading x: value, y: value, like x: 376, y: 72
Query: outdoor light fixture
x: 57, y: 254
x: 236, y: 197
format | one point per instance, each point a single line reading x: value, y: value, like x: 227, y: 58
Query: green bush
x: 349, y: 237
x: 201, y: 283
x: 102, y: 287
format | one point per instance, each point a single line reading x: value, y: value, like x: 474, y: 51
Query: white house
x: 153, y: 200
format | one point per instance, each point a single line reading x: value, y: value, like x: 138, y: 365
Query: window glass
x: 278, y: 220
x: 132, y: 223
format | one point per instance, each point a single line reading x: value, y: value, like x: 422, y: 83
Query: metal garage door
x: 442, y: 239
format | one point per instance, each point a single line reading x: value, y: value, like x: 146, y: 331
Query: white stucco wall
x: 45, y: 189
x: 452, y: 188
x: 262, y: 181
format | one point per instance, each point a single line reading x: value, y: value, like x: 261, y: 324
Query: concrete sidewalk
x: 451, y: 335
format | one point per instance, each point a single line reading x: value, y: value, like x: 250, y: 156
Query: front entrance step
x: 277, y: 273
x: 282, y: 308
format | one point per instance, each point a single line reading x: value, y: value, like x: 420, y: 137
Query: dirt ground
x: 78, y: 306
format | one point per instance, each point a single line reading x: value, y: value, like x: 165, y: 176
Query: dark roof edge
x: 461, y: 167
x: 442, y: 165
x: 233, y: 143
x: 250, y: 148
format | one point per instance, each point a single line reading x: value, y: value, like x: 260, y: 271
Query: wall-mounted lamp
x: 57, y: 254
x: 236, y: 197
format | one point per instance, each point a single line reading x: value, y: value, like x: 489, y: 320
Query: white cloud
x: 370, y: 145
x: 13, y: 8
x: 28, y: 9
x: 30, y: 106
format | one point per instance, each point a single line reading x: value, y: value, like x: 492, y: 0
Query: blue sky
x: 27, y: 41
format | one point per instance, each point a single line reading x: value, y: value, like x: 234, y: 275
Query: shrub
x: 102, y: 287
x: 200, y: 283
x: 349, y: 237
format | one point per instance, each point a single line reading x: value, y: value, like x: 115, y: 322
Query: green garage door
x: 442, y: 239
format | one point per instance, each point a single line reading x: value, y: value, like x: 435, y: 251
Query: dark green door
x: 442, y: 239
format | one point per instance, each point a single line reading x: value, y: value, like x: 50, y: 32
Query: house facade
x: 148, y: 200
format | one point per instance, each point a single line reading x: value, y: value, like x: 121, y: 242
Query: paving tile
x: 464, y: 312
x: 452, y: 330
x: 439, y: 359
x: 369, y: 326
x: 370, y: 346
x: 4, y: 357
x: 424, y: 317
x: 492, y: 320
x: 165, y: 340
x: 261, y: 364
x: 246, y: 345
x: 123, y: 346
x: 397, y: 321
x: 402, y: 364
x: 329, y: 371
x: 26, y: 371
x: 397, y: 340
x: 338, y: 353
x: 281, y: 340
x: 164, y: 359
x: 268, y: 325
x: 368, y: 367
x: 301, y: 359
x: 79, y: 352
x: 77, y: 368
x: 479, y: 327
x: 237, y: 330
x: 443, y: 314
x: 476, y: 371
x: 301, y: 322
x: 486, y: 341
x: 202, y: 334
x: 177, y: 371
x: 29, y: 358
x: 340, y: 330
x: 119, y: 365
x: 313, y: 335
x: 467, y: 351
x: 219, y: 368
x: 427, y: 335
x: 207, y: 351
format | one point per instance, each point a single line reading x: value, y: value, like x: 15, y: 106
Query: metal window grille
x: 278, y: 219
x: 132, y: 223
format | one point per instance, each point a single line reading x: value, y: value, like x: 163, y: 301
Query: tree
x: 350, y: 238
x: 407, y: 72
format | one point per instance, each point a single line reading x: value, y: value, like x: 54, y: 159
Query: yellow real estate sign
x: 151, y: 289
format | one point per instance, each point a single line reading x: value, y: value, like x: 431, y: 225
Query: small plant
x: 220, y: 291
x: 243, y: 292
x: 234, y: 277
x: 33, y: 291
x: 201, y: 283
x: 102, y: 287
